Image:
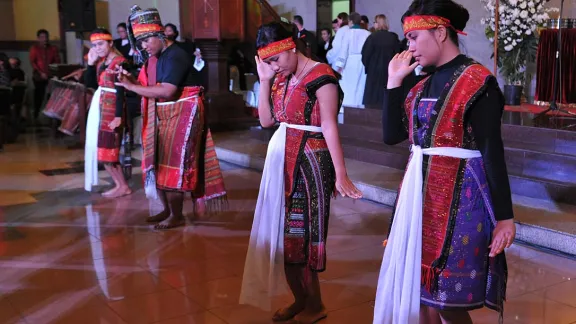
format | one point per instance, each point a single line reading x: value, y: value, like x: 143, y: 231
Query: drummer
x: 106, y: 115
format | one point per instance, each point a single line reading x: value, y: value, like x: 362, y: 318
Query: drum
x: 73, y: 115
x: 61, y: 98
x: 71, y: 120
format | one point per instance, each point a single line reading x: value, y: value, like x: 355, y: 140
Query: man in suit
x: 308, y: 37
x: 122, y: 44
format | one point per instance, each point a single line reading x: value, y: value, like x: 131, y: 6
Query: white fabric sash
x: 91, y: 146
x: 398, y: 294
x: 264, y: 276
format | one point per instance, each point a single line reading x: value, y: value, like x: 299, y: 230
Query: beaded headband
x: 427, y: 22
x: 276, y: 48
x: 100, y: 36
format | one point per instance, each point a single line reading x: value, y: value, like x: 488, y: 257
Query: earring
x: 294, y: 50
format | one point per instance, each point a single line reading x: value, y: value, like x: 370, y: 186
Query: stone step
x: 541, y: 223
x: 233, y: 124
x: 368, y: 124
x: 540, y: 179
x: 521, y: 159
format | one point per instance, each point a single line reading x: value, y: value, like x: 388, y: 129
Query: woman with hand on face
x: 453, y: 217
x: 304, y: 166
x: 104, y: 129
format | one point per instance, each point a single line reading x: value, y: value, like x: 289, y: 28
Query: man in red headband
x: 178, y: 152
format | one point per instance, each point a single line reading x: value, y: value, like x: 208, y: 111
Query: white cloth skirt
x: 264, y: 276
x: 91, y: 146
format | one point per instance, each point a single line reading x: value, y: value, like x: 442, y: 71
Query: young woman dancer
x: 304, y: 165
x: 453, y: 218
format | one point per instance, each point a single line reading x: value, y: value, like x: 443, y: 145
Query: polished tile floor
x: 67, y: 256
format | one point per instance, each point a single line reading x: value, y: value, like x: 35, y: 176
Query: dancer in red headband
x: 453, y: 217
x: 106, y: 117
x: 304, y: 166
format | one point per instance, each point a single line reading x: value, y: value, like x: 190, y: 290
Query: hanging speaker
x: 78, y: 15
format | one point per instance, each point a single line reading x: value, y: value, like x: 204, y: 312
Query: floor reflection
x: 73, y: 257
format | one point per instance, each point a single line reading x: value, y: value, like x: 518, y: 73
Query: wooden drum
x: 77, y: 111
x: 61, y: 98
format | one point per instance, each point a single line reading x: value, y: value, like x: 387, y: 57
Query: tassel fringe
x: 428, y: 278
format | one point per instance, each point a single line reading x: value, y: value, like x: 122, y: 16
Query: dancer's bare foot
x: 170, y: 222
x: 288, y: 313
x: 159, y: 217
x: 121, y: 192
x: 311, y: 316
x: 110, y: 192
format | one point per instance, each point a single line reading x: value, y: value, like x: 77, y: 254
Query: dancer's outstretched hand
x: 503, y: 236
x: 346, y: 188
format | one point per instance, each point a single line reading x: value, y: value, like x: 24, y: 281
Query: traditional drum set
x: 68, y: 102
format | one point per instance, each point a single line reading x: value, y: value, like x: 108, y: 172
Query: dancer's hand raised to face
x: 265, y: 72
x: 399, y: 68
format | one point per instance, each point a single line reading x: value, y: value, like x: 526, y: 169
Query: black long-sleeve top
x: 484, y: 117
x: 91, y: 81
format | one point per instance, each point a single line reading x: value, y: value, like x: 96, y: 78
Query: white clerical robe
x: 337, y: 43
x: 350, y: 61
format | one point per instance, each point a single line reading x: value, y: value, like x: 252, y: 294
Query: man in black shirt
x: 178, y: 152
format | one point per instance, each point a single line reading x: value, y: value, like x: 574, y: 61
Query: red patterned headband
x: 100, y: 36
x: 427, y: 22
x: 140, y: 29
x: 276, y: 48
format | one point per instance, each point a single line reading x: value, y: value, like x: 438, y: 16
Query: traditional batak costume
x: 291, y: 218
x: 178, y: 151
x: 102, y: 143
x: 454, y: 191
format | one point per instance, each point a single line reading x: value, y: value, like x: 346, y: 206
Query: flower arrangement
x: 517, y: 35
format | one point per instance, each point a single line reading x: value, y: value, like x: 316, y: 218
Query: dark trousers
x: 39, y: 93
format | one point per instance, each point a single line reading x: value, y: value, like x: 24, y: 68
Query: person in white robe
x: 349, y: 63
x: 337, y: 43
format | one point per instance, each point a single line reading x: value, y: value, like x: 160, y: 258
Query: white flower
x: 508, y: 48
x: 529, y: 32
x: 514, y: 43
x: 531, y: 4
x: 524, y: 14
x: 513, y: 2
x: 517, y: 22
x: 523, y: 5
